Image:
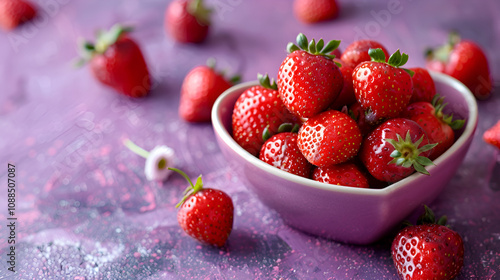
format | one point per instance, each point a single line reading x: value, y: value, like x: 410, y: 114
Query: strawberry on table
x: 187, y: 21
x: 424, y: 88
x: 281, y: 151
x: 259, y: 108
x: 465, y: 61
x: 395, y: 149
x: 15, y: 12
x: 428, y: 250
x: 438, y: 126
x: 205, y: 214
x: 383, y: 89
x: 117, y: 61
x: 344, y: 174
x: 492, y: 135
x: 357, y: 52
x: 312, y: 11
x: 331, y: 137
x: 199, y: 90
x: 308, y: 79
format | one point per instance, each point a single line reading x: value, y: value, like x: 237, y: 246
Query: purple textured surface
x: 84, y: 207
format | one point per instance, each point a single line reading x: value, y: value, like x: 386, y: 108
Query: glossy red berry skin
x: 308, y: 83
x: 281, y: 151
x: 428, y: 251
x: 344, y: 174
x: 329, y: 138
x: 207, y: 216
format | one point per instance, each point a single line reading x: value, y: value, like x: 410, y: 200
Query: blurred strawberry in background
x: 312, y: 11
x: 200, y: 88
x: 465, y: 61
x: 187, y: 21
x: 117, y: 61
x: 15, y: 12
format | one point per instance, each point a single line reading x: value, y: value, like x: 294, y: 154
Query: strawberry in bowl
x: 343, y: 187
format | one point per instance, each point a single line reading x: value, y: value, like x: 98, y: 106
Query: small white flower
x: 157, y: 161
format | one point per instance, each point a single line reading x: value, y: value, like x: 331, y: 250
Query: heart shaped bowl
x: 346, y: 214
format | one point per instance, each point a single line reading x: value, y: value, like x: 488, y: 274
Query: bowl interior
x: 460, y: 101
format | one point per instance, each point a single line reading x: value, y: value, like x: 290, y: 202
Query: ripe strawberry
x: 200, y: 88
x: 357, y: 52
x: 308, y: 79
x: 329, y: 138
x: 492, y: 135
x: 383, y: 89
x: 438, y: 126
x: 187, y: 21
x: 15, y: 12
x: 465, y: 61
x: 389, y: 157
x: 258, y: 108
x: 428, y: 250
x: 312, y: 11
x: 344, y: 174
x: 205, y: 214
x: 424, y: 88
x: 359, y: 115
x: 346, y: 96
x: 117, y: 61
x: 281, y: 151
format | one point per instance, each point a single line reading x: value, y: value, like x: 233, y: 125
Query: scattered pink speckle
x: 30, y: 141
x: 100, y: 177
x: 32, y: 153
x: 148, y: 197
x: 137, y: 254
x: 105, y: 150
x: 51, y: 151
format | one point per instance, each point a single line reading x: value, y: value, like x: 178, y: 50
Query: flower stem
x: 136, y: 149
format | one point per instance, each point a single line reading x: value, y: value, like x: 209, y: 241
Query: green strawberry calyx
x: 284, y: 127
x: 442, y: 53
x: 437, y: 102
x: 397, y: 59
x: 428, y: 218
x: 103, y: 42
x: 212, y: 63
x: 199, y: 11
x: 407, y: 154
x: 266, y: 82
x: 192, y: 189
x: 314, y: 48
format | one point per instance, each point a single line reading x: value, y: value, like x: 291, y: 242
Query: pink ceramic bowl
x: 352, y: 215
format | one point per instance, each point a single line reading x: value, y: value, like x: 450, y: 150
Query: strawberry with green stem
x: 257, y: 110
x: 438, y: 126
x: 428, y: 250
x: 187, y: 21
x: 383, y: 89
x: 199, y: 90
x: 205, y: 214
x: 117, y: 61
x: 389, y: 157
x: 308, y: 79
x: 465, y: 61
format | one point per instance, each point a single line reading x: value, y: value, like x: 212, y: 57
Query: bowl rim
x: 255, y: 161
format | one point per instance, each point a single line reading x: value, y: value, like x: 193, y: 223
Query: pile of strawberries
x: 360, y: 121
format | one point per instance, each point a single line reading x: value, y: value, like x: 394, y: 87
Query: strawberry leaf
x: 312, y: 47
x: 419, y: 168
x: 291, y: 47
x: 331, y: 46
x: 266, y: 82
x: 377, y: 55
x: 302, y: 41
x: 395, y: 59
x: 319, y: 45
